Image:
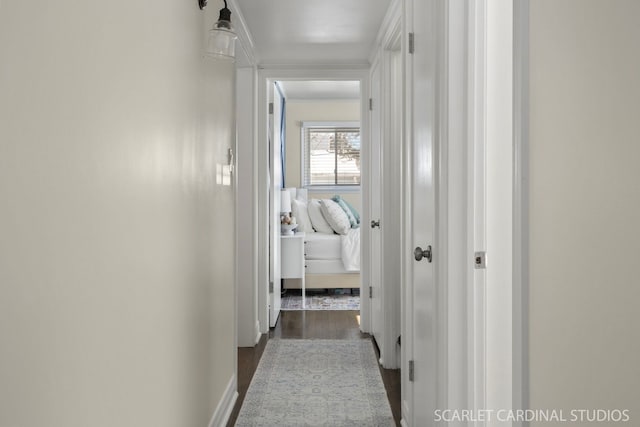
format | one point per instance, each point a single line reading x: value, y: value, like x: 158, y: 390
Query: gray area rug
x: 321, y: 302
x: 317, y: 383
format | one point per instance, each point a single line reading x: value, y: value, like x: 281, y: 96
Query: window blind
x: 331, y: 156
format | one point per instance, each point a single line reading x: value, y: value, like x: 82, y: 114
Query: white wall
x: 116, y: 223
x: 321, y: 110
x: 585, y: 204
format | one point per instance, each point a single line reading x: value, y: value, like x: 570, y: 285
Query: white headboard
x: 298, y: 193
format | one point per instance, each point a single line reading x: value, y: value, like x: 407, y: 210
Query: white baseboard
x: 223, y: 411
x: 405, y: 414
x: 258, y: 334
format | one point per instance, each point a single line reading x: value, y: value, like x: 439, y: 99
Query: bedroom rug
x: 316, y: 383
x: 321, y: 302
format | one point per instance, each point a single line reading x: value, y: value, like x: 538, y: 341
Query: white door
x: 375, y: 208
x: 420, y: 346
x: 391, y: 231
x: 275, y: 164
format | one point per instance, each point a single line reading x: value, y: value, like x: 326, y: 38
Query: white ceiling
x: 313, y: 32
x: 306, y: 90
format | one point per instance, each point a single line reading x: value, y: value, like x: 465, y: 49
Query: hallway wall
x: 114, y: 300
x: 584, y: 205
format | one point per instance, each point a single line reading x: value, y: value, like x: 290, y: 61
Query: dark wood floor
x: 318, y: 325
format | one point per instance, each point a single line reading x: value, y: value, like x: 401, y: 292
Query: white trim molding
x: 476, y: 126
x: 225, y: 406
x: 244, y: 35
x: 258, y: 333
x: 246, y: 220
x: 521, y: 205
x: 391, y: 24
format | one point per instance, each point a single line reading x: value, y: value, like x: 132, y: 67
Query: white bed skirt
x: 325, y: 281
x: 326, y: 266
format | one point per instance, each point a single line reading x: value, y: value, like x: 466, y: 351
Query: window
x: 331, y: 154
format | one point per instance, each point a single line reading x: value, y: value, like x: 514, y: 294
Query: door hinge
x: 370, y: 104
x: 370, y: 291
x: 480, y: 260
x: 270, y: 287
x: 411, y: 369
x: 271, y: 108
x: 412, y: 46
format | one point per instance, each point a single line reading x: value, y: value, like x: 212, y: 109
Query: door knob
x: 419, y: 253
x: 375, y: 224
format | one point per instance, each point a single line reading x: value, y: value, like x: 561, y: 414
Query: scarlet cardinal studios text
x: 537, y: 415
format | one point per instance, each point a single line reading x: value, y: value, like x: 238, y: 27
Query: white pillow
x: 317, y: 219
x: 335, y: 216
x: 301, y: 213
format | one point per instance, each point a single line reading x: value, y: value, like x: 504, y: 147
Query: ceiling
x: 306, y: 90
x: 313, y: 32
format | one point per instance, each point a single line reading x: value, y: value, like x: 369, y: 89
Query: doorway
x: 291, y: 82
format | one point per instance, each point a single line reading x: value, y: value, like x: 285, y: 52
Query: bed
x: 332, y: 260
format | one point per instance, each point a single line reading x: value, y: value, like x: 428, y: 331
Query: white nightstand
x: 292, y: 259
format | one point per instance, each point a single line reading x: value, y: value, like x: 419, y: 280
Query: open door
x: 420, y: 340
x: 275, y: 185
x: 375, y: 209
x: 386, y: 193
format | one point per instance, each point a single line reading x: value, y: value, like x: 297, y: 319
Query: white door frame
x: 478, y: 384
x: 459, y: 356
x: 520, y: 325
x: 275, y: 187
x: 248, y: 333
x: 388, y: 62
x: 373, y: 180
x: 476, y: 136
x: 246, y: 322
x: 266, y: 77
x: 392, y: 190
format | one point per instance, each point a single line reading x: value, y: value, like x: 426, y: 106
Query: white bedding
x: 332, y: 247
x: 351, y: 250
x: 323, y: 246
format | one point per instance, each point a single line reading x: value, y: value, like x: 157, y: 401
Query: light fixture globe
x: 222, y: 37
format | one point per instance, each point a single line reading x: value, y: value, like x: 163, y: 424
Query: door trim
x: 372, y: 278
x: 476, y: 238
x: 520, y: 296
x: 472, y: 381
x: 267, y: 76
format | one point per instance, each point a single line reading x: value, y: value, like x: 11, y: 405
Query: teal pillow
x: 352, y: 213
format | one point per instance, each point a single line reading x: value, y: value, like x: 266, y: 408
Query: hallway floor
x: 311, y: 325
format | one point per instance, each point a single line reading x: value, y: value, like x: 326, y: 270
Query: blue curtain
x: 283, y: 132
